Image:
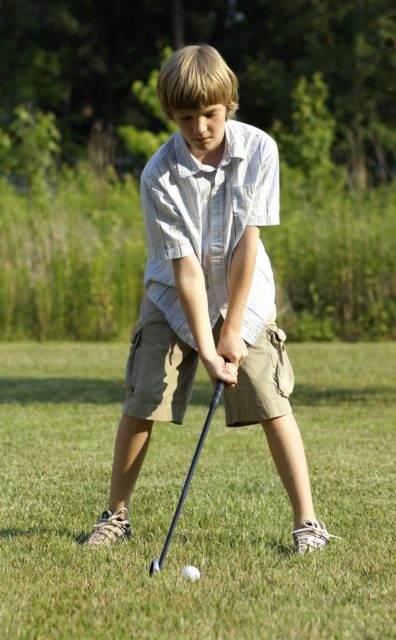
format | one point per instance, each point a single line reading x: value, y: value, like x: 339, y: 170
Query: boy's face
x: 203, y: 130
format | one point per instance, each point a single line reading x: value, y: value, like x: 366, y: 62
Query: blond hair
x: 196, y: 77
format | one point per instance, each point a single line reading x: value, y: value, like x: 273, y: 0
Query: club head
x: 154, y: 567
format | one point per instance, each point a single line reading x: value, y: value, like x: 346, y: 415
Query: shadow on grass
x: 311, y: 395
x: 281, y: 549
x: 94, y: 391
x: 76, y: 390
x: 60, y: 390
x: 15, y: 532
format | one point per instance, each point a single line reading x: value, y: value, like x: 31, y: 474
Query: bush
x: 30, y: 147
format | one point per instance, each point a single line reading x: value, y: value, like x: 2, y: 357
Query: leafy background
x: 79, y: 117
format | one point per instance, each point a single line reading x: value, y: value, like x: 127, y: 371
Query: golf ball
x: 191, y: 573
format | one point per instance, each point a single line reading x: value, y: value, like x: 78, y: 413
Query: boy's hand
x: 232, y: 347
x: 219, y: 369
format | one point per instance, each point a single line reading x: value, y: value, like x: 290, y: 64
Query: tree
x: 351, y: 43
x: 142, y: 143
x: 307, y: 145
x: 79, y: 60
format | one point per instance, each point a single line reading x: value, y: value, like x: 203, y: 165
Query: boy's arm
x: 190, y: 286
x: 243, y: 261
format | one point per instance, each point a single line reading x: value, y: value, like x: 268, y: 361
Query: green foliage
x: 71, y: 259
x: 146, y: 94
x: 140, y: 142
x: 334, y: 259
x: 5, y: 152
x: 309, y: 141
x: 352, y: 45
x: 30, y: 146
x: 79, y: 59
x: 72, y: 247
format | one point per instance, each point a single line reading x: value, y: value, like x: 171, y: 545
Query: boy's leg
x: 132, y: 441
x: 131, y: 445
x: 285, y: 443
x: 287, y: 449
x: 159, y: 377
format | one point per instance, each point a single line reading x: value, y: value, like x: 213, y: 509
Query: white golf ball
x: 191, y: 573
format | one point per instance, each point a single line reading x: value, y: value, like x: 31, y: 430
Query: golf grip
x: 213, y: 404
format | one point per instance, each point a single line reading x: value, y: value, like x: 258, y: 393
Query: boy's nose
x: 200, y: 125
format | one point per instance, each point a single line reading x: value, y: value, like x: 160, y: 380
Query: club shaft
x: 214, y: 402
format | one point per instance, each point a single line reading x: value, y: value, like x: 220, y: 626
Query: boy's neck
x: 211, y: 158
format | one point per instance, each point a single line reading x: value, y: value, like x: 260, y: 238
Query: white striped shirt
x: 192, y: 208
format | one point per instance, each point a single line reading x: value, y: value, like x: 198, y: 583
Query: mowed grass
x: 59, y: 408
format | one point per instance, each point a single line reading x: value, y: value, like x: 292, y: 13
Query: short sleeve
x: 166, y: 233
x: 265, y: 208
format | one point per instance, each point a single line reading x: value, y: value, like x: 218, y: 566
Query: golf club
x: 156, y: 565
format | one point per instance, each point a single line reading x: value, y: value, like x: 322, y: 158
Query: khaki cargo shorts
x: 161, y: 368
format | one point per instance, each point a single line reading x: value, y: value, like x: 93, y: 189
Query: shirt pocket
x: 242, y: 199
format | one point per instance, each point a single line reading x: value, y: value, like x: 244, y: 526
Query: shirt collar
x: 235, y: 147
x: 188, y: 166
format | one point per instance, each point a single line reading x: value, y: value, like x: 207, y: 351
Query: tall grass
x: 72, y: 258
x: 335, y: 260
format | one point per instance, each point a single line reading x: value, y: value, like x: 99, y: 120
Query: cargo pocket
x: 283, y: 371
x: 131, y: 370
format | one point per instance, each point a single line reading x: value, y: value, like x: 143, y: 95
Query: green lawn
x: 59, y: 408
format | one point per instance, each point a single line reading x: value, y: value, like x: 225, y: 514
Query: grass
x: 337, y: 281
x: 59, y: 407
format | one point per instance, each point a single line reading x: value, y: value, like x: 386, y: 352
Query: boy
x: 209, y: 288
